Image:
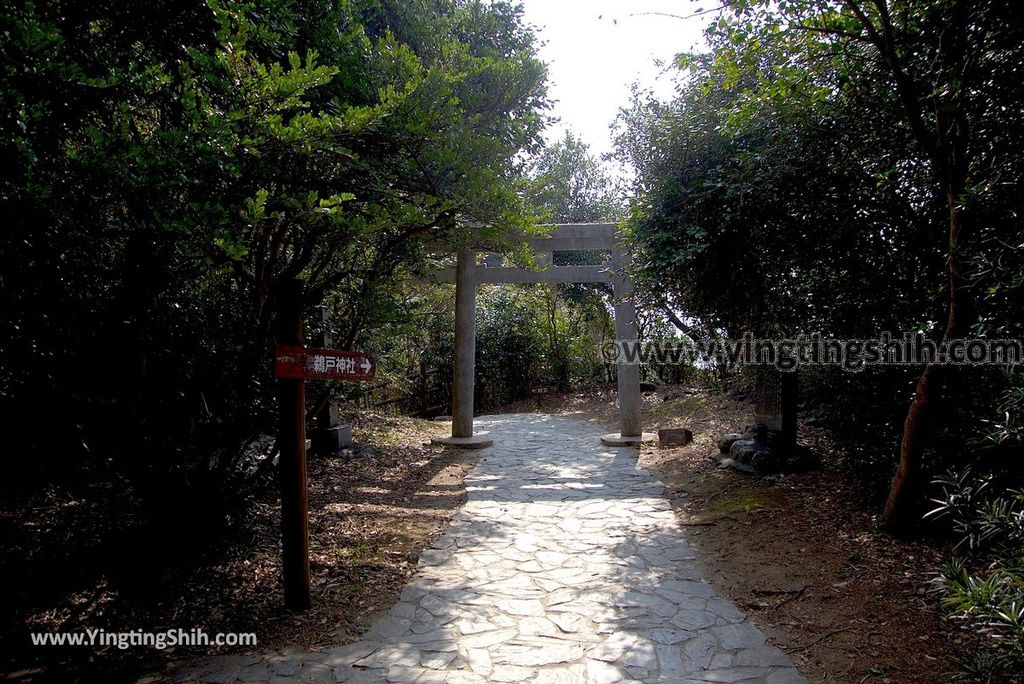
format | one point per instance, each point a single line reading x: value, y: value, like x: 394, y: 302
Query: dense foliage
x: 834, y: 167
x: 983, y: 588
x: 168, y: 164
x: 529, y: 340
x: 570, y: 185
x: 785, y: 191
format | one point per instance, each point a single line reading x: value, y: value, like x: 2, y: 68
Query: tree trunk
x: 906, y: 483
x: 946, y: 145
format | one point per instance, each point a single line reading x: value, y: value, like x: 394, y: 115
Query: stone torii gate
x: 565, y: 237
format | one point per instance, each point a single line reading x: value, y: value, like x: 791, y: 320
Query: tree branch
x: 697, y: 13
x: 905, y: 88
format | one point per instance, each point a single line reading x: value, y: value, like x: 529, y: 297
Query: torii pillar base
x: 479, y: 440
x: 616, y: 440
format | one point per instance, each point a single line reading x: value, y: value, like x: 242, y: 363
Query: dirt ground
x: 369, y: 518
x: 799, y: 553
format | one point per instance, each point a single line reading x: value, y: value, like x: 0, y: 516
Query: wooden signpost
x: 293, y: 365
x: 308, y: 363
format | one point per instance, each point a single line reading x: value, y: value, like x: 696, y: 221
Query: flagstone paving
x: 565, y: 565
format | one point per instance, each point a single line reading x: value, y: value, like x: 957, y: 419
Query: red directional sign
x: 308, y: 363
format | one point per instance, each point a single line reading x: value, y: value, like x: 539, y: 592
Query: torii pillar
x: 628, y: 374
x: 465, y: 357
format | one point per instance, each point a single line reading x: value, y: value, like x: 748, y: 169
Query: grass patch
x: 736, y: 505
x: 383, y: 430
x: 360, y: 551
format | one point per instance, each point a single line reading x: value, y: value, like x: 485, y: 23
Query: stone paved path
x: 565, y: 565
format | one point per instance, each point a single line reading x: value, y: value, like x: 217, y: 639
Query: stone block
x: 766, y: 460
x: 743, y: 450
x: 726, y: 441
x: 674, y: 437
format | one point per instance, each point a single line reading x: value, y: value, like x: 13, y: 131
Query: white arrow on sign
x: 367, y: 365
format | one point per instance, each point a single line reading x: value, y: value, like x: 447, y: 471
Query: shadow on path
x: 565, y: 565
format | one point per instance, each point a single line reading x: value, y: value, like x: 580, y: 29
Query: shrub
x: 988, y: 597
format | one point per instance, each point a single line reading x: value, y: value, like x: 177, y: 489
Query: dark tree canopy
x: 168, y: 164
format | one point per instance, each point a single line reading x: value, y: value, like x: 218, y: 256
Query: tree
x: 947, y: 63
x: 730, y: 205
x: 880, y: 120
x: 172, y: 164
x: 569, y: 185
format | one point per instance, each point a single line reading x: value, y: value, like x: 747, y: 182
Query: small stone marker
x: 672, y: 437
x: 330, y: 436
x: 332, y: 440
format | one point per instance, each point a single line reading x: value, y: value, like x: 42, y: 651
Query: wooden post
x: 424, y: 390
x: 790, y: 391
x: 292, y: 464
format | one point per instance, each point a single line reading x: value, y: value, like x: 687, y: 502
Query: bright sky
x: 595, y: 50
